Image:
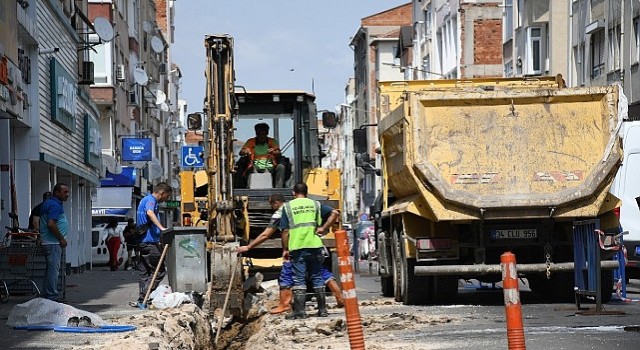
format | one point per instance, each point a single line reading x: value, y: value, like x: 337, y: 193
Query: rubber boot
x: 322, y: 302
x: 299, y: 301
x: 285, y: 302
x: 336, y: 291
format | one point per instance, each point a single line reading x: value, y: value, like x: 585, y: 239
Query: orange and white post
x: 513, y: 309
x: 351, y: 310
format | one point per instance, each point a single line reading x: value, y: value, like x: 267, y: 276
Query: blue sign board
x: 126, y: 178
x: 136, y: 149
x: 192, y: 156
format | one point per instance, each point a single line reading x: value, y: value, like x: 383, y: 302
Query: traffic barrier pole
x: 513, y: 310
x: 352, y: 313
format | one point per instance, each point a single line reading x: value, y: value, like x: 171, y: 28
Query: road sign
x: 192, y: 156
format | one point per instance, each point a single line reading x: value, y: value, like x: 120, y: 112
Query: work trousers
x: 150, y: 259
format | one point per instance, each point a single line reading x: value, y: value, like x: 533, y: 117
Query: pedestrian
x: 53, y: 232
x: 131, y: 242
x: 285, y: 280
x: 150, y: 248
x: 113, y: 241
x: 34, y: 217
x: 302, y: 227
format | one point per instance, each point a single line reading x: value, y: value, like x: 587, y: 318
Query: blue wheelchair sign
x: 192, y: 156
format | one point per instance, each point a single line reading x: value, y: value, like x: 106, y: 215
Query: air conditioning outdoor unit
x: 120, y: 73
x: 87, y: 77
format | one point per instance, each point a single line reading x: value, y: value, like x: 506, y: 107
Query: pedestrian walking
x: 130, y: 238
x: 54, y: 228
x: 150, y: 247
x: 113, y: 241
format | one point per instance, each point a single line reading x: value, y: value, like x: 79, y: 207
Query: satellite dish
x: 103, y: 28
x: 164, y: 107
x: 111, y: 164
x: 155, y: 169
x: 161, y: 97
x: 157, y: 45
x: 147, y: 27
x: 140, y: 76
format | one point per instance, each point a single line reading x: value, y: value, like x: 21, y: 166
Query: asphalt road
x: 479, y: 320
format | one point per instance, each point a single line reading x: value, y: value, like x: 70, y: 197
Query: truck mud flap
x: 224, y: 260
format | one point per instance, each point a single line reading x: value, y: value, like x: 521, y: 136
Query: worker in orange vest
x: 263, y: 152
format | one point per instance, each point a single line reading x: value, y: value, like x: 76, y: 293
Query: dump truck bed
x: 493, y: 146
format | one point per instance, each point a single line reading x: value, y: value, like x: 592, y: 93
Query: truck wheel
x: 386, y: 286
x: 396, y: 256
x: 416, y: 291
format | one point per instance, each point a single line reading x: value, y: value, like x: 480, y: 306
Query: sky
x: 278, y: 44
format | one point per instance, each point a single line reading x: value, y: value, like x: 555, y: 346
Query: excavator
x: 228, y: 201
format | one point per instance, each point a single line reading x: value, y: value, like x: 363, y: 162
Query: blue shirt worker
x: 150, y: 248
x: 302, y: 227
x: 53, y: 232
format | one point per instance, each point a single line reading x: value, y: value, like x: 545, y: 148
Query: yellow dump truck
x: 475, y: 168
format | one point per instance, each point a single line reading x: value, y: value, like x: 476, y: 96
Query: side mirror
x: 360, y: 141
x: 329, y: 120
x: 194, y: 121
x: 363, y: 160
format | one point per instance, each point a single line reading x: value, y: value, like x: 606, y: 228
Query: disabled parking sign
x: 192, y: 157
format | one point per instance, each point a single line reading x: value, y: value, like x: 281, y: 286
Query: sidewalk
x: 100, y: 291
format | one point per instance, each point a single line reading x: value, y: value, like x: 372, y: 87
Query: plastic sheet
x: 40, y: 311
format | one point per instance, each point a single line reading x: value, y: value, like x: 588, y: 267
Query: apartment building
x: 605, y: 46
x: 374, y: 45
x: 454, y: 39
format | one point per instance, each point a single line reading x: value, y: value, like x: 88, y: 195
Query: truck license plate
x: 514, y: 234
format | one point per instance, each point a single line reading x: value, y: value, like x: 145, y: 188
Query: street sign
x: 172, y: 204
x: 192, y: 156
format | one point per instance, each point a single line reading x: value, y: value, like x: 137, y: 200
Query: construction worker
x: 286, y: 274
x: 302, y: 227
x: 263, y: 152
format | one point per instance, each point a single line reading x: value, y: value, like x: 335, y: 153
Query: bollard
x: 352, y: 313
x: 513, y: 310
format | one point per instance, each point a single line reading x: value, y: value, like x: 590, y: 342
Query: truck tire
x: 386, y: 286
x: 396, y: 257
x: 408, y: 288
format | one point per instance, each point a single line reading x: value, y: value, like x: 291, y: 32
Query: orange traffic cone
x: 513, y: 309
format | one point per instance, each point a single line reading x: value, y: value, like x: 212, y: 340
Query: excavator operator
x: 263, y: 153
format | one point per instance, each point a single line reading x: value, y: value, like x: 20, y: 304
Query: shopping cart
x: 16, y: 261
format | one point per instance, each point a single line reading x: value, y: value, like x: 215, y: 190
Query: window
x: 636, y: 31
x: 614, y: 48
x: 597, y: 53
x: 520, y: 12
x: 507, y: 33
x: 508, y: 69
x: 534, y: 50
x: 427, y: 21
x: 426, y: 67
x: 101, y: 59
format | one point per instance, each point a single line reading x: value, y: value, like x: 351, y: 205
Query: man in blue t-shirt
x: 150, y: 249
x: 53, y: 232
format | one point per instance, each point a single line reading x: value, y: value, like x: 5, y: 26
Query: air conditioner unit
x: 120, y: 73
x: 87, y: 77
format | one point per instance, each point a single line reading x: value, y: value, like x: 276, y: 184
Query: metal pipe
x: 482, y: 269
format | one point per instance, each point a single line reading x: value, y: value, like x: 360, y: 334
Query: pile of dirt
x: 185, y: 327
x: 382, y: 328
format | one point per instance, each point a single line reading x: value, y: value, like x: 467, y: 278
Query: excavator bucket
x: 226, y: 280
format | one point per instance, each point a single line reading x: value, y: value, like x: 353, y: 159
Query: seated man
x: 263, y: 153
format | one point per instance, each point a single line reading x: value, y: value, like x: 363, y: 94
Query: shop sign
x: 63, y: 96
x: 92, y: 142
